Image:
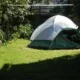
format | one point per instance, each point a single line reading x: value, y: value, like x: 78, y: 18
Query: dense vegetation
x: 12, y: 19
x: 15, y: 24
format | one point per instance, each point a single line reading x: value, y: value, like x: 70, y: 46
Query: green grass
x: 18, y: 62
x: 17, y: 52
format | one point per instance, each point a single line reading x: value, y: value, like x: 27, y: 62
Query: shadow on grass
x: 62, y: 68
x: 43, y: 48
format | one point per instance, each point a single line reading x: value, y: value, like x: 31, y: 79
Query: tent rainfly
x: 57, y: 32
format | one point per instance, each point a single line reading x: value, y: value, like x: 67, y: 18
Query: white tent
x: 52, y: 27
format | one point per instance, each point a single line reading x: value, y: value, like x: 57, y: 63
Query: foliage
x: 25, y: 31
x: 12, y: 15
x: 39, y: 1
x: 1, y: 35
x: 15, y: 35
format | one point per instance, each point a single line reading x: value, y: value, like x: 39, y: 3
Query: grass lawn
x: 18, y: 62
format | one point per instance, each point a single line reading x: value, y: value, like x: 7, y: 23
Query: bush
x: 25, y: 31
x: 1, y: 35
x: 15, y: 35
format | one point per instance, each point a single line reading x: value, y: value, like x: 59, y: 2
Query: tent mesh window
x: 72, y: 35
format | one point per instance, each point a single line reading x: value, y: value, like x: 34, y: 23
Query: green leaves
x: 12, y: 14
x: 1, y: 35
x: 25, y: 31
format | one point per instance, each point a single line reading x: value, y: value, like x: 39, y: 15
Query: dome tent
x: 50, y: 34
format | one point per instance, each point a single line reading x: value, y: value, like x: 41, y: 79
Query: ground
x: 18, y: 62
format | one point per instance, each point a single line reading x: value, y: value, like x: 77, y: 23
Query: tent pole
x: 50, y: 45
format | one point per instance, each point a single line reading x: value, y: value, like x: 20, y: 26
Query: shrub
x: 2, y: 36
x: 15, y: 35
x: 24, y: 31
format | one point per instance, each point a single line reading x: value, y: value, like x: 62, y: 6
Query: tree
x: 12, y: 15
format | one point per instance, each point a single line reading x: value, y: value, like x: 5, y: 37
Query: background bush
x: 25, y: 31
x: 2, y: 36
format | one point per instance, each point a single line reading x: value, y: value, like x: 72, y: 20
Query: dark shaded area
x: 62, y: 68
x: 39, y: 48
x: 43, y: 48
x: 36, y: 20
